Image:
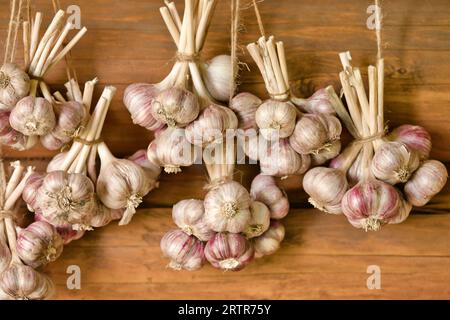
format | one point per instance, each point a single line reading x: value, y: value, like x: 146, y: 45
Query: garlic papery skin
x: 315, y: 132
x: 14, y: 85
x: 173, y: 151
x: 29, y: 193
x: 67, y: 198
x: 276, y: 119
x: 265, y: 190
x: 355, y: 172
x: 121, y: 183
x: 217, y: 77
x: 227, y: 208
x: 50, y: 142
x: 210, y: 127
x: 416, y: 138
x: 150, y: 164
x: 370, y: 204
x: 259, y: 221
x: 5, y: 255
x: 22, y: 282
x: 244, y: 106
x: 39, y: 244
x: 326, y: 187
x: 229, y: 251
x: 281, y: 160
x: 138, y: 100
x: 184, y: 251
x: 269, y: 242
x: 329, y: 152
x: 403, y: 212
x: 65, y: 231
x: 189, y: 216
x: 319, y: 102
x: 104, y: 215
x: 426, y: 182
x: 394, y: 163
x: 56, y: 162
x: 14, y: 138
x: 33, y: 116
x: 175, y: 107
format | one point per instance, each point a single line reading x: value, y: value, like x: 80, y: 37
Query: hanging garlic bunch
x: 189, y: 216
x: 264, y: 189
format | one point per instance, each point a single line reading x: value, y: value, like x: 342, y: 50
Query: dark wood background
x: 322, y: 257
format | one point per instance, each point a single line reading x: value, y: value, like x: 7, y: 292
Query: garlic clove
x: 33, y: 116
x: 184, y: 251
x: 276, y: 119
x: 426, y: 182
x: 269, y: 242
x: 229, y: 251
x: 245, y: 105
x: 217, y: 77
x: 415, y: 138
x: 259, y: 221
x: 14, y: 85
x: 189, y: 216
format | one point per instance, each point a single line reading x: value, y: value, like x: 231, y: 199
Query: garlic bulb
x: 56, y: 162
x: 245, y: 105
x: 14, y: 85
x: 121, y: 183
x: 415, y: 138
x: 149, y: 164
x: 39, y: 244
x: 103, y: 215
x: 5, y: 255
x: 22, y: 282
x: 370, y: 204
x: 211, y: 125
x: 217, y: 77
x: 355, y: 172
x: 138, y: 100
x: 426, y: 182
x: 14, y: 138
x: 276, y: 119
x: 329, y: 152
x: 259, y: 221
x: 65, y: 231
x: 269, y: 242
x: 189, y: 216
x: 265, y: 190
x: 394, y: 163
x: 229, y: 251
x: 33, y: 116
x: 281, y: 160
x: 29, y: 193
x: 404, y: 210
x: 175, y: 107
x: 319, y: 102
x: 184, y: 251
x: 66, y: 198
x: 173, y: 151
x: 315, y: 132
x: 227, y: 208
x: 326, y: 187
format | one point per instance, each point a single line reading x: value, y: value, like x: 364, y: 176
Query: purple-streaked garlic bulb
x: 65, y: 231
x: 184, y: 251
x: 39, y: 244
x: 175, y: 107
x: 259, y: 221
x: 315, y: 132
x: 150, y: 164
x: 416, y: 138
x: 269, y: 242
x: 121, y: 183
x: 30, y: 192
x: 138, y: 100
x: 189, y: 216
x: 14, y: 138
x: 229, y: 251
x: 20, y: 282
x: 245, y: 105
x: 319, y: 102
x: 14, y: 85
x: 67, y: 198
x: 227, y: 208
x: 276, y: 119
x: 370, y: 204
x: 217, y: 77
x: 426, y: 182
x: 33, y: 116
x: 326, y: 187
x: 265, y: 190
x: 404, y: 210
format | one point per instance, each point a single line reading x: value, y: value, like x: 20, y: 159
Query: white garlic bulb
x: 33, y: 116
x: 404, y: 210
x: 56, y: 162
x: 227, y: 208
x: 426, y: 182
x: 175, y: 107
x: 259, y: 221
x: 265, y: 190
x: 150, y: 164
x: 184, y: 251
x: 29, y: 193
x: 319, y: 102
x: 326, y: 187
x: 329, y: 152
x: 14, y: 138
x: 39, y: 244
x: 394, y: 163
x: 65, y: 230
x: 67, y: 198
x: 189, y: 216
x: 416, y: 138
x: 245, y: 105
x: 121, y: 183
x: 276, y: 119
x: 14, y: 85
x: 217, y: 77
x: 104, y: 215
x: 269, y: 242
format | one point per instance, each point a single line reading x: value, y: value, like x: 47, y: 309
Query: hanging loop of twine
x: 371, y: 138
